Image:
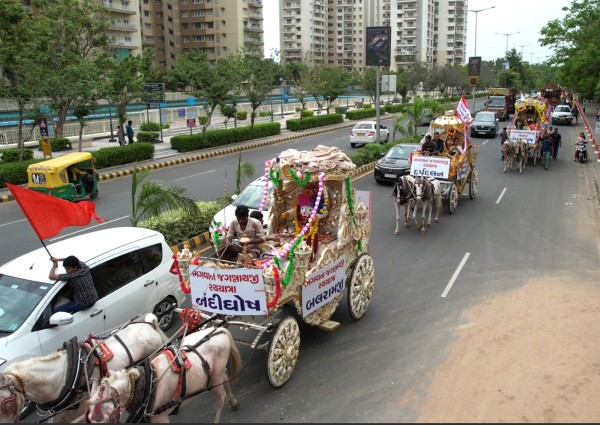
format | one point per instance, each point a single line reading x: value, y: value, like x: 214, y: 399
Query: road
x: 385, y: 367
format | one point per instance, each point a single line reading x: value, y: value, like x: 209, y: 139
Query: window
x: 117, y: 272
x: 147, y: 13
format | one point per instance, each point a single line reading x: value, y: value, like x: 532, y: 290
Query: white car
x: 561, y: 114
x: 131, y: 268
x: 251, y: 196
x: 365, y: 132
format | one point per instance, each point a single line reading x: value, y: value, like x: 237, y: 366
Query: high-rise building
x: 427, y: 31
x: 125, y: 32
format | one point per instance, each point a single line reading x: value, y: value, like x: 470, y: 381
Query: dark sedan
x: 394, y: 163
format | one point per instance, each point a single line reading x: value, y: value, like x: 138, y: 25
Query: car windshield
x: 400, y: 152
x: 251, y: 196
x: 485, y: 118
x: 496, y: 101
x: 562, y: 109
x: 363, y: 126
x: 18, y: 298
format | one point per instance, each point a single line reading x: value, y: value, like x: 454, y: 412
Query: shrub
x: 14, y: 155
x: 153, y: 126
x: 296, y: 124
x: 128, y: 154
x: 241, y: 115
x: 203, y: 119
x: 177, y: 226
x: 341, y: 109
x: 367, y: 105
x: 148, y: 137
x: 265, y: 113
x: 358, y: 114
x: 392, y: 108
x: 57, y: 144
x: 15, y: 172
x: 307, y: 113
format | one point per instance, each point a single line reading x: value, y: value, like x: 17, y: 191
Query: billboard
x: 475, y: 66
x: 378, y: 46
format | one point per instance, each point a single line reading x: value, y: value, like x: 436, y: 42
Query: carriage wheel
x: 283, y: 352
x: 473, y: 183
x: 452, y: 198
x: 360, y: 286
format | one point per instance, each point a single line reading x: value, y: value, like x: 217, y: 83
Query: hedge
x: 148, y: 137
x: 15, y: 172
x: 297, y: 124
x: 14, y: 155
x: 214, y: 138
x: 120, y: 155
x: 358, y: 114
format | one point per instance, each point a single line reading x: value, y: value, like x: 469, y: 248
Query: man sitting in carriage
x: 429, y: 147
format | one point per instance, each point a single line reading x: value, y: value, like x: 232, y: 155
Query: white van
x: 131, y: 268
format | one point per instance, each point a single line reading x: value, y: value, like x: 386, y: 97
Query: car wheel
x: 164, y: 312
x: 353, y: 145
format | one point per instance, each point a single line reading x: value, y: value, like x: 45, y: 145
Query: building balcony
x: 255, y: 3
x: 292, y: 53
x: 124, y: 27
x: 123, y: 45
x: 117, y: 8
x: 254, y: 28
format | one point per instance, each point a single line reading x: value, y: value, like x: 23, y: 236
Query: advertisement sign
x: 46, y: 147
x: 191, y: 113
x: 323, y: 285
x: 43, y: 123
x: 378, y: 46
x: 228, y: 291
x: 430, y: 166
x: 191, y: 122
x: 474, y: 66
x: 528, y: 135
x: 181, y: 113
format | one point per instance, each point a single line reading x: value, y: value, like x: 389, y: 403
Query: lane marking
x: 13, y: 222
x: 485, y: 142
x: 501, y: 195
x: 455, y: 275
x: 194, y: 175
x: 88, y: 228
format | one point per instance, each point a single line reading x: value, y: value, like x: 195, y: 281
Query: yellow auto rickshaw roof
x: 61, y: 162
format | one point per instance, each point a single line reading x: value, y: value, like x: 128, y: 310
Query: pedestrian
x: 502, y: 137
x: 439, y: 143
x: 556, y: 142
x: 546, y: 149
x: 575, y: 113
x: 79, y: 277
x: 129, y: 131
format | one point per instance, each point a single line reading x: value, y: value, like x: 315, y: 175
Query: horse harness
x: 399, y: 190
x: 140, y: 403
x: 10, y: 405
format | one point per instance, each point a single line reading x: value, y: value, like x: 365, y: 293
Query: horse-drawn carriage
x: 321, y: 247
x: 461, y: 156
x: 525, y: 132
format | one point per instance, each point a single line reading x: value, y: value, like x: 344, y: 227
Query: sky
x: 521, y: 19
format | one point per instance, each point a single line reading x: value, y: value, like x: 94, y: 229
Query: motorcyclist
x: 581, y: 142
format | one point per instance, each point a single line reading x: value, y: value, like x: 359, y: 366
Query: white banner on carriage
x: 321, y: 286
x: 530, y: 136
x: 430, y: 166
x: 364, y: 196
x: 238, y: 292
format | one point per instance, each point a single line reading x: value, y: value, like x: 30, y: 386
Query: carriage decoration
x: 321, y: 247
x: 525, y: 131
x: 460, y: 154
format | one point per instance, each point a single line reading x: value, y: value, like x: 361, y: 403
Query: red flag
x: 462, y: 111
x: 48, y: 215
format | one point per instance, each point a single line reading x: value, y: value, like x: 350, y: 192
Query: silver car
x: 366, y: 132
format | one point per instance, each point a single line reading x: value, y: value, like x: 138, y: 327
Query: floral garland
x: 273, y: 302
x: 287, y: 248
x: 351, y: 206
x: 216, y: 235
x: 299, y: 182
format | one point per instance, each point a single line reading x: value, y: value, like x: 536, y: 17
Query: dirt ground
x: 528, y: 355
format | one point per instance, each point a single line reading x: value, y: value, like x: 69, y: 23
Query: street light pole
x: 377, y: 94
x: 521, y: 46
x: 476, y: 12
x: 507, y: 35
x: 281, y: 94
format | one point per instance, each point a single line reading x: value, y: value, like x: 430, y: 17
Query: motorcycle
x: 581, y: 152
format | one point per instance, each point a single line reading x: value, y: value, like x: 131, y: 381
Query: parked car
x: 485, y: 123
x: 561, y: 115
x: 394, y: 163
x: 251, y: 196
x: 365, y: 132
x: 133, y: 272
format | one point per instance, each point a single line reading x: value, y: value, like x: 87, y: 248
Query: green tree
x: 329, y: 84
x: 407, y: 122
x: 259, y: 82
x: 79, y: 32
x: 575, y: 44
x: 367, y: 79
x: 89, y: 93
x: 244, y: 170
x: 149, y: 199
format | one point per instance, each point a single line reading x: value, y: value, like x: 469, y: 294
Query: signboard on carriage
x: 321, y: 286
x: 239, y: 292
x: 430, y: 166
x: 530, y: 136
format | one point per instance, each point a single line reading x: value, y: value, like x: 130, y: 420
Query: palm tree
x: 406, y: 123
x: 149, y: 199
x: 244, y: 170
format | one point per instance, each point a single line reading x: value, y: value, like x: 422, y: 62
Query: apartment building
x: 429, y: 31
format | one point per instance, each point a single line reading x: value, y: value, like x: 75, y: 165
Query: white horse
x: 404, y: 195
x: 522, y: 154
x: 59, y: 379
x: 426, y: 192
x: 207, y: 352
x: 509, y: 152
